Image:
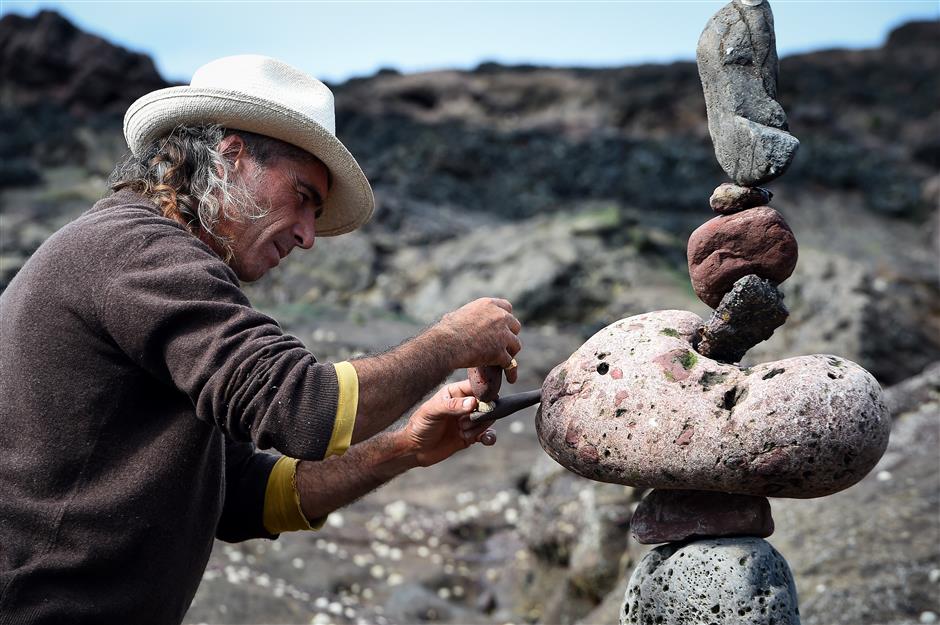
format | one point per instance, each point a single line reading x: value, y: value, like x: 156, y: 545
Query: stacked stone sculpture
x: 659, y: 400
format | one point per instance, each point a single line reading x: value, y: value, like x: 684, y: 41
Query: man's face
x: 292, y: 192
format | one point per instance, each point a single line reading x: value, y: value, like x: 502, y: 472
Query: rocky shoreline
x: 476, y: 195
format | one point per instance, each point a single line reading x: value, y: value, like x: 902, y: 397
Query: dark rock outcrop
x: 47, y: 60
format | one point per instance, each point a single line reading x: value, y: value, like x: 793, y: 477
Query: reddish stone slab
x: 666, y: 516
x: 724, y: 249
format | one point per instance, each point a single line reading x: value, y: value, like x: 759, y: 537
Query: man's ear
x: 233, y: 149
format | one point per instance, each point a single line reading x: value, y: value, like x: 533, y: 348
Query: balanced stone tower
x: 659, y: 400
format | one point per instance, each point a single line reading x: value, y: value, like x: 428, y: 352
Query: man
x: 137, y: 381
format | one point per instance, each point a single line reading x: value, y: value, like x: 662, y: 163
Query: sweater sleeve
x: 177, y: 311
x: 256, y: 480
x: 247, y: 473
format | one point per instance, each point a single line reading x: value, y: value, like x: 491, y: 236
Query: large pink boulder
x: 637, y: 405
x: 723, y: 249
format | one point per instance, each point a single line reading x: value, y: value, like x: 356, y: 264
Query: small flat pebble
x: 673, y: 515
x: 730, y: 198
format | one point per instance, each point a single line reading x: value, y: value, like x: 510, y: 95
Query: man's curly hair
x: 192, y: 182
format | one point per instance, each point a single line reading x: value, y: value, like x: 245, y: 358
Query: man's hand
x: 484, y: 332
x: 441, y: 426
x: 437, y: 430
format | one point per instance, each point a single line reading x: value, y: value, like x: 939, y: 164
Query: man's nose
x: 305, y: 232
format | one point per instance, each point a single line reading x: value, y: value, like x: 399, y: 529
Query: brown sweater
x: 128, y: 357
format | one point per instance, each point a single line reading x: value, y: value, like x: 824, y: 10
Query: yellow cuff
x: 282, y: 512
x: 346, y: 407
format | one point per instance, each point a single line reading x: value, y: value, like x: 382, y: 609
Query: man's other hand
x: 441, y: 426
x: 484, y: 332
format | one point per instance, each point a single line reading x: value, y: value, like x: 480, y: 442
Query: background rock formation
x: 462, y: 160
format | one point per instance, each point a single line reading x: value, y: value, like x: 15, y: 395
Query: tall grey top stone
x: 737, y: 63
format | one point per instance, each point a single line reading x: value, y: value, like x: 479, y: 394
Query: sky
x: 336, y: 41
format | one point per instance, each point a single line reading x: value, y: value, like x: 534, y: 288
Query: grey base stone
x: 722, y: 581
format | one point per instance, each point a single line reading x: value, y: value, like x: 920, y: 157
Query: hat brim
x: 350, y: 202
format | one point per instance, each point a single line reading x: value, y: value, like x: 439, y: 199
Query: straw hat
x: 268, y: 97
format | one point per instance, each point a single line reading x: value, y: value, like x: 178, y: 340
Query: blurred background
x: 556, y: 154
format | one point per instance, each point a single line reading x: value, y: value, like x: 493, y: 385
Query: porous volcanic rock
x: 730, y: 198
x: 729, y: 247
x: 666, y: 516
x: 637, y: 405
x: 744, y: 581
x: 748, y: 314
x: 737, y: 63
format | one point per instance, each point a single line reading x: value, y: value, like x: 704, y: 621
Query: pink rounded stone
x: 726, y: 248
x: 666, y: 516
x: 802, y: 427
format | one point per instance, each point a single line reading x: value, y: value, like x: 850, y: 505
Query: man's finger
x: 514, y: 345
x: 507, y: 358
x: 512, y: 375
x: 502, y: 303
x: 464, y: 405
x: 488, y: 437
x: 473, y: 434
x: 470, y: 430
x: 450, y: 407
x: 459, y: 389
x: 514, y: 325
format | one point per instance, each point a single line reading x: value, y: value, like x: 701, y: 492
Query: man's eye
x: 318, y: 213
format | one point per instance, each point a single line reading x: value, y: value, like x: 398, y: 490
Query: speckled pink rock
x: 667, y: 516
x: 637, y: 405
